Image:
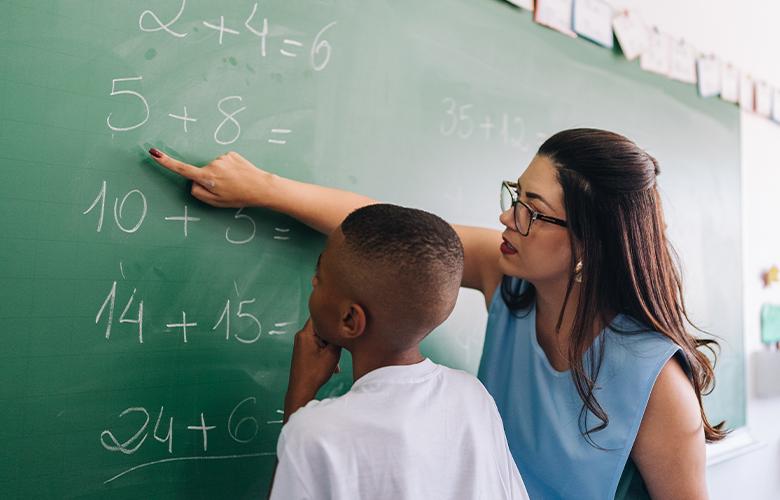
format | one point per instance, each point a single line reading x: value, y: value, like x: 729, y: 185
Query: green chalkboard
x: 104, y: 257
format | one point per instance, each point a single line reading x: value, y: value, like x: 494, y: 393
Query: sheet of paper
x: 657, y: 57
x: 763, y: 99
x: 682, y: 66
x: 526, y: 4
x: 747, y: 91
x: 593, y: 20
x: 729, y: 83
x: 555, y: 14
x: 708, y: 76
x: 632, y: 34
x: 776, y: 105
x: 770, y: 323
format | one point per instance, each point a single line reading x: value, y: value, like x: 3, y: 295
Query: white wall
x: 746, y: 34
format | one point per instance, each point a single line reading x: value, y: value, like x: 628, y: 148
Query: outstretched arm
x: 231, y: 180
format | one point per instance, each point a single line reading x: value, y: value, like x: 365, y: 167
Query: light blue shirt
x: 541, y: 409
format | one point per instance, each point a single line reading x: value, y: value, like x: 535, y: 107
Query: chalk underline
x: 180, y: 459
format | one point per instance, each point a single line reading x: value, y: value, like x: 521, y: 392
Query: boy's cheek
x: 321, y: 333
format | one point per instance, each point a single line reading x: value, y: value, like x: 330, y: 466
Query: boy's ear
x: 353, y: 321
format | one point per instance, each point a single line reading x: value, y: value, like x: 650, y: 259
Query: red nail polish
x: 155, y: 153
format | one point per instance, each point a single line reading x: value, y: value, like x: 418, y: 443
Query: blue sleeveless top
x: 541, y: 409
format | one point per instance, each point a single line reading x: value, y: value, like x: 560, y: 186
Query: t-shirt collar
x: 398, y: 374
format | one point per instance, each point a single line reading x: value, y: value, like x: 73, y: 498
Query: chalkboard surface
x: 146, y: 336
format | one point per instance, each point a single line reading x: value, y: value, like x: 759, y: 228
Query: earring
x: 578, y: 272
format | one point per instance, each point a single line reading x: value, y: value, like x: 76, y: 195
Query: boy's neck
x: 364, y: 362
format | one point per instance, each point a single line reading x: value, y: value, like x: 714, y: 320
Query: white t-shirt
x: 420, y: 431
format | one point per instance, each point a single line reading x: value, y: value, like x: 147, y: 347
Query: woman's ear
x: 353, y: 321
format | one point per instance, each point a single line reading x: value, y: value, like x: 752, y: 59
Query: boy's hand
x: 313, y: 363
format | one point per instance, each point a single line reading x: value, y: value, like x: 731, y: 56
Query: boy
x: 408, y: 428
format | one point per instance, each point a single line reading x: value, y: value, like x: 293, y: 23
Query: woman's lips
x: 507, y: 248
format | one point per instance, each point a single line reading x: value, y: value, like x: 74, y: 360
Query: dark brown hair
x: 617, y: 230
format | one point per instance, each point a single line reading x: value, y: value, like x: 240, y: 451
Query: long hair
x: 616, y: 227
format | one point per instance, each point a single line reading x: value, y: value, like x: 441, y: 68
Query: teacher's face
x: 544, y: 255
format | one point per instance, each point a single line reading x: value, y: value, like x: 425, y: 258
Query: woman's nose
x: 506, y: 218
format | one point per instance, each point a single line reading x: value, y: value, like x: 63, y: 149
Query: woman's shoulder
x: 630, y: 333
x: 630, y: 342
x: 511, y: 297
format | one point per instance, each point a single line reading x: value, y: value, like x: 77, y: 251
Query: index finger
x: 186, y: 170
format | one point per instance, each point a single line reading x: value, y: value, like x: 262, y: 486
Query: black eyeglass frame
x: 511, y: 187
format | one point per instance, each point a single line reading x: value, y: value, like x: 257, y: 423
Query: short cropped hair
x: 408, y: 262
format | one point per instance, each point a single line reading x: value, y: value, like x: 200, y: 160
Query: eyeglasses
x: 524, y: 215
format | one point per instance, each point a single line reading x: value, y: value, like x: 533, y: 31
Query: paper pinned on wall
x: 763, y: 99
x: 657, y: 57
x: 747, y: 94
x: 526, y: 4
x: 682, y: 65
x: 708, y: 76
x: 729, y: 83
x: 770, y: 323
x: 555, y: 14
x: 593, y: 20
x: 631, y: 33
x: 776, y: 105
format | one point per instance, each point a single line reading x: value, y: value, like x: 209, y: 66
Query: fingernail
x: 155, y: 153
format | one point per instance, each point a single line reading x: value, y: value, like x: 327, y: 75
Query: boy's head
x: 388, y: 273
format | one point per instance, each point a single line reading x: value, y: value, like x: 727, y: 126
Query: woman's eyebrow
x: 534, y: 196
x: 537, y: 196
